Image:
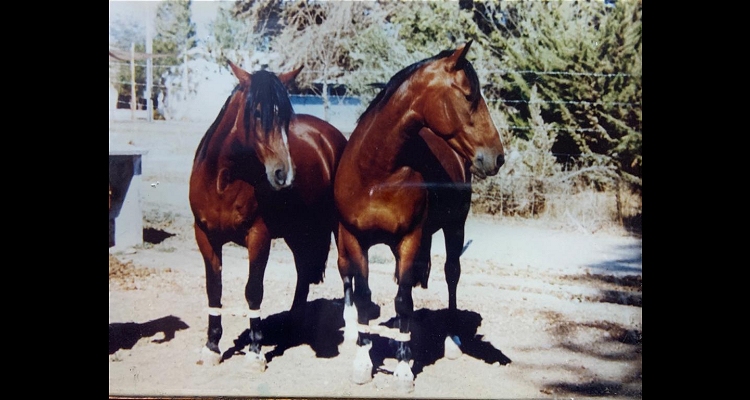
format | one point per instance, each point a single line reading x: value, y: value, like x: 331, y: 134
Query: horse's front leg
x: 454, y: 238
x: 407, y: 252
x: 352, y: 262
x: 258, y: 246
x: 211, y: 252
x: 353, y: 268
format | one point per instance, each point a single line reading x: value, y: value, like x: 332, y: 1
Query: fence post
x: 132, y: 82
x: 185, y: 75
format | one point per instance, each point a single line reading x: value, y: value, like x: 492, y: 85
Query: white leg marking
x: 362, y: 368
x: 256, y: 360
x: 452, y: 351
x: 404, y: 376
x: 350, y: 323
x: 214, y: 311
x: 208, y: 357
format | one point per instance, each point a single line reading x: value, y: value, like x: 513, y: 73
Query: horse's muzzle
x: 280, y: 178
x: 487, y: 163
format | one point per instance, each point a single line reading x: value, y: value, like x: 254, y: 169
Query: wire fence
x: 126, y: 104
x: 487, y: 71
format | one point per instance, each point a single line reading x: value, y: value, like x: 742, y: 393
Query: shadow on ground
x: 126, y: 335
x: 155, y: 236
x: 429, y: 328
x: 322, y: 330
x: 616, y: 343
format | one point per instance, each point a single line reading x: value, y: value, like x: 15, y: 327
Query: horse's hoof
x: 209, y: 357
x: 404, y: 377
x: 452, y: 351
x: 362, y: 367
x: 256, y: 361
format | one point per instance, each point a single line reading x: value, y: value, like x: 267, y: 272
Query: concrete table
x: 125, y: 215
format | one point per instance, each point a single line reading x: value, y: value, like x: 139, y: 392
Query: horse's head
x: 263, y: 120
x: 452, y: 106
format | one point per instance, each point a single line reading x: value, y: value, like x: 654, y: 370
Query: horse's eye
x: 257, y: 114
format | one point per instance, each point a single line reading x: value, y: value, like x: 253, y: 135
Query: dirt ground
x: 546, y: 311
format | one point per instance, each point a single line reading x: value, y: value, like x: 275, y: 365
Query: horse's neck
x: 227, y: 150
x: 385, y: 136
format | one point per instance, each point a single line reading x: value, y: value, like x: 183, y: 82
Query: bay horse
x: 382, y: 190
x: 263, y: 172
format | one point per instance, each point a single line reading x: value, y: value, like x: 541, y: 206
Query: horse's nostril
x: 280, y: 176
x: 500, y: 160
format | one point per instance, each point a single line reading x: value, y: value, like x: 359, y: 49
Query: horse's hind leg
x: 258, y: 245
x: 211, y: 253
x: 423, y: 262
x: 454, y: 238
x: 310, y: 254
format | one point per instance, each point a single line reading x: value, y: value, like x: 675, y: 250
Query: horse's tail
x: 318, y: 244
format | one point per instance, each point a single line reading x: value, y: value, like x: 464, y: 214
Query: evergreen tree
x: 586, y: 59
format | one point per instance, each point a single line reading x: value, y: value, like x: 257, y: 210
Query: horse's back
x: 316, y: 148
x: 321, y: 141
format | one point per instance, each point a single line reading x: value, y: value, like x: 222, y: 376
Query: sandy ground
x: 546, y: 312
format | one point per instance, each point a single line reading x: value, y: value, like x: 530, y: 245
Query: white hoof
x: 350, y: 334
x: 404, y: 376
x: 256, y: 361
x: 452, y: 351
x: 362, y: 367
x: 208, y: 357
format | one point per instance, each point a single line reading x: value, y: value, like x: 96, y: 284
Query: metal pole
x: 149, y: 66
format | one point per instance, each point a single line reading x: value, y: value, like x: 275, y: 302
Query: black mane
x: 265, y: 90
x: 401, y: 76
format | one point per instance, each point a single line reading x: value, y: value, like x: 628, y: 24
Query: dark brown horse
x: 382, y: 190
x: 447, y: 178
x: 263, y: 172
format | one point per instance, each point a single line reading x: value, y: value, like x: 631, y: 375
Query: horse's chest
x: 394, y: 206
x: 230, y: 210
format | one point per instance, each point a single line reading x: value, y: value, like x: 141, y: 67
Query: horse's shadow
x: 429, y: 328
x: 126, y: 335
x: 322, y: 331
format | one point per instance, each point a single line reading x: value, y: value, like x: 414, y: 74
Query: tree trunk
x: 326, y: 101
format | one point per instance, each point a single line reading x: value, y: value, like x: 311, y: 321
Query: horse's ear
x: 457, y: 60
x: 288, y: 77
x: 240, y: 73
